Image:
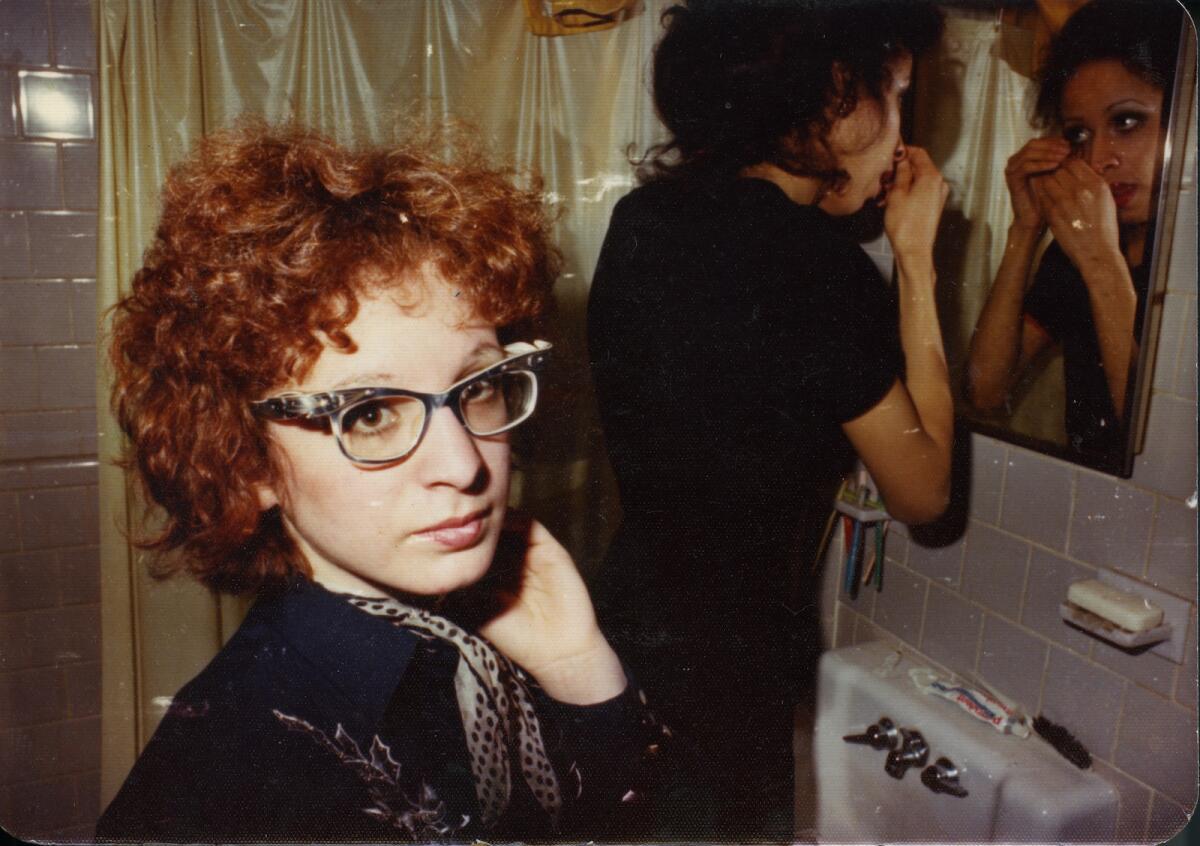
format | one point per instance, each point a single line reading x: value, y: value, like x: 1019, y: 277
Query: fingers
x: 1038, y: 156
x: 904, y: 175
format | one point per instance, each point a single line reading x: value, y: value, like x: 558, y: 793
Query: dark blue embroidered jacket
x: 250, y: 749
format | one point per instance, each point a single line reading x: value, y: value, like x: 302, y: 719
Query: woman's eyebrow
x: 363, y: 380
x: 1128, y: 101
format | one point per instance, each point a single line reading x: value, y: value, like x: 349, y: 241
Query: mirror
x: 1026, y: 357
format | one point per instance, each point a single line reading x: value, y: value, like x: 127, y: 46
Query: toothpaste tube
x: 1003, y: 717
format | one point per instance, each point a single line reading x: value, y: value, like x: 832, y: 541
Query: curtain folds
x: 173, y: 70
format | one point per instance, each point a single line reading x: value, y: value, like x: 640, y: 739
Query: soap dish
x: 1107, y: 630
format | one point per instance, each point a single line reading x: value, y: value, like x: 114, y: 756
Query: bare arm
x: 1083, y: 217
x: 905, y: 439
x: 1003, y: 343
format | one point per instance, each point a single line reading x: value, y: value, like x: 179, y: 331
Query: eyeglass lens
x: 384, y: 428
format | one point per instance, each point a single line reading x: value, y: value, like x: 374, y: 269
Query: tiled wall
x: 986, y: 605
x: 49, y: 566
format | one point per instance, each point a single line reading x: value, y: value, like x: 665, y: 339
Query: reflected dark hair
x: 1143, y: 35
x: 739, y: 82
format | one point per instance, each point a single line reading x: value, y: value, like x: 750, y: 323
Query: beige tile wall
x: 49, y: 564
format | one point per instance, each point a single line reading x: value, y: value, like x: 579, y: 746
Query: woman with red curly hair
x: 312, y: 372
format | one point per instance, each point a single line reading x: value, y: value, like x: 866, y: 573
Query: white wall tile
x: 59, y: 517
x: 1110, y: 526
x: 994, y: 569
x: 899, y: 608
x: 14, y: 245
x: 1048, y: 578
x: 1170, y: 339
x: 74, y: 44
x: 84, y: 315
x: 1172, y: 564
x: 1148, y: 669
x: 1084, y: 699
x: 1185, y: 373
x: 1168, y: 464
x: 66, y: 377
x: 1185, y: 685
x: 1011, y: 661
x: 35, y: 313
x: 81, y: 179
x: 941, y: 564
x: 29, y: 175
x: 8, y: 118
x: 1157, y: 744
x: 18, y: 383
x: 46, y: 434
x: 1134, y: 801
x: 988, y: 461
x: 63, y: 245
x: 1037, y: 498
x: 25, y: 32
x: 950, y: 634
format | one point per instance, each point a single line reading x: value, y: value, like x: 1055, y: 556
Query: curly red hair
x: 268, y: 236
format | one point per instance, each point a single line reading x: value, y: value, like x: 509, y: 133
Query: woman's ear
x: 267, y: 498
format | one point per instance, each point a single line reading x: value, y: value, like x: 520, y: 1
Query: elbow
x: 983, y: 397
x: 925, y: 505
x: 914, y: 514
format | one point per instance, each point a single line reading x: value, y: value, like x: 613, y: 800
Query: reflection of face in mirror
x: 1092, y: 184
x: 1112, y: 120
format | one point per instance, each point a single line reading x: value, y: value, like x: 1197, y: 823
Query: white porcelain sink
x: 1019, y: 790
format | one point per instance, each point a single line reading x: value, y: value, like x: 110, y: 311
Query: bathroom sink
x: 1019, y: 790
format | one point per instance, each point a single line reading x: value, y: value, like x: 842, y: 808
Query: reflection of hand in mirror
x: 1076, y: 203
x: 1041, y: 155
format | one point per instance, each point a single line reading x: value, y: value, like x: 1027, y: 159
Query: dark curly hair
x: 741, y: 82
x: 268, y: 236
x: 1143, y: 35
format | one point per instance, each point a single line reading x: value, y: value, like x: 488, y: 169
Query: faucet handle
x: 881, y: 735
x: 942, y: 777
x: 913, y: 752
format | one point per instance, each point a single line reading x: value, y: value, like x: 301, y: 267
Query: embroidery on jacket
x: 421, y: 818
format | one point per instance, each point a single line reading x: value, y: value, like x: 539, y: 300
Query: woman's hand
x: 1080, y: 210
x: 1039, y: 156
x: 540, y: 615
x: 914, y: 206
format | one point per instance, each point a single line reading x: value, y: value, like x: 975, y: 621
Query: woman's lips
x: 457, y: 532
x: 1122, y: 193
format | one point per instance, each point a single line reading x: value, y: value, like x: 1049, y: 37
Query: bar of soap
x: 1130, y: 612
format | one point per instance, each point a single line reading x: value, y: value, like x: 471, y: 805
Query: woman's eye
x: 1076, y: 135
x: 368, y: 417
x: 1127, y: 122
x: 480, y: 391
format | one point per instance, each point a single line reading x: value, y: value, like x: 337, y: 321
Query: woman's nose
x: 449, y: 454
x: 1101, y: 155
x: 901, y: 152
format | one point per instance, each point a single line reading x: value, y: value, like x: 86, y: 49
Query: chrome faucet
x: 880, y: 735
x: 913, y: 752
x: 942, y: 777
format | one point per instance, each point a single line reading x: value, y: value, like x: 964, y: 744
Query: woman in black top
x: 744, y: 349
x: 1094, y: 184
x: 316, y: 367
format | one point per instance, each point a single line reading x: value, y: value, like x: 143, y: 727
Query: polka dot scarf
x: 496, y: 710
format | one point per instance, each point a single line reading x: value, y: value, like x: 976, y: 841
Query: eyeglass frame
x: 522, y: 357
